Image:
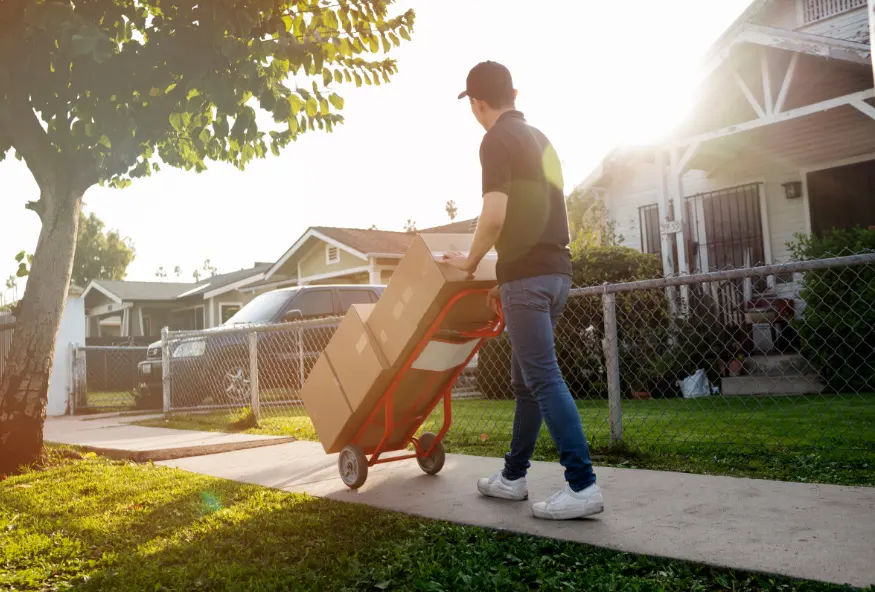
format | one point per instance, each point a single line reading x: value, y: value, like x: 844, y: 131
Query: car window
x: 314, y: 303
x: 350, y: 297
x: 262, y: 309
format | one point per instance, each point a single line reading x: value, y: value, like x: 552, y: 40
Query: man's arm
x: 489, y: 227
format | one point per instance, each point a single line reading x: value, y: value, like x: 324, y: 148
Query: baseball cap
x: 488, y: 81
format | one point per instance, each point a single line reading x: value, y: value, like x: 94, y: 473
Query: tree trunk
x: 24, y: 386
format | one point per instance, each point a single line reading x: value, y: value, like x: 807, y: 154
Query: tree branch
x: 20, y: 124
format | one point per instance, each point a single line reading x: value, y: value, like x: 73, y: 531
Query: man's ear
x: 514, y: 94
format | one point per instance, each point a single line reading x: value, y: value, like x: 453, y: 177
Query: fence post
x: 71, y: 383
x: 612, y: 366
x: 253, y: 376
x: 299, y: 335
x: 165, y: 368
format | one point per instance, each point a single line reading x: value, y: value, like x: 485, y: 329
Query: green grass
x: 825, y: 439
x: 95, y: 524
x: 111, y: 400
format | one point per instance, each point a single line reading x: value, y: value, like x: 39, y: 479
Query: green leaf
x: 330, y: 19
x: 404, y: 33
x: 312, y: 106
x: 296, y: 104
x: 323, y: 106
x: 358, y: 79
x: 293, y: 126
x: 104, y: 141
x: 338, y: 76
x: 176, y: 121
x: 336, y: 100
x: 327, y: 78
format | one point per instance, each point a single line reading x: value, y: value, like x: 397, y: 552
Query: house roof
x: 369, y: 242
x: 124, y: 290
x: 362, y: 242
x: 460, y: 227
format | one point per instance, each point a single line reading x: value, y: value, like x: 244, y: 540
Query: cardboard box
x: 357, y: 360
x: 327, y: 406
x: 364, y: 376
x: 420, y: 286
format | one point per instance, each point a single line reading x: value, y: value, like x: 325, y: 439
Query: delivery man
x: 524, y: 218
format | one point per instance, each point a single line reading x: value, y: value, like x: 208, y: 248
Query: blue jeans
x: 532, y: 307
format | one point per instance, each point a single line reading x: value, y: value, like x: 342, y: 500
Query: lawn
x: 94, y: 524
x: 110, y: 400
x: 827, y: 439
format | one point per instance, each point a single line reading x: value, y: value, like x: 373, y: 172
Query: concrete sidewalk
x: 113, y: 435
x: 819, y: 532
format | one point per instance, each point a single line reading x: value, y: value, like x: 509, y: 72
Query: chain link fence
x: 105, y: 378
x: 775, y: 357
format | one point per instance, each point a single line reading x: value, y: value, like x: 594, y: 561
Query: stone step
x: 770, y: 385
x: 788, y: 365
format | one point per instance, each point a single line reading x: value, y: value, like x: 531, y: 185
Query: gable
x: 314, y: 262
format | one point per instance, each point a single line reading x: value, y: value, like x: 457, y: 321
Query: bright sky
x: 590, y: 75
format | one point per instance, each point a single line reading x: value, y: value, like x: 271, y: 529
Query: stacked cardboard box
x: 374, y: 341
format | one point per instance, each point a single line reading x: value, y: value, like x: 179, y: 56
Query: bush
x: 837, y: 328
x: 640, y: 316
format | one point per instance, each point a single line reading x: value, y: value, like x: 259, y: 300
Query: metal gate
x: 105, y: 378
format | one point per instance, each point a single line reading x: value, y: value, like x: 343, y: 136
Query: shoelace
x: 555, y: 497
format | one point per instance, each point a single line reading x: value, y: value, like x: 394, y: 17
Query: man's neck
x: 495, y: 115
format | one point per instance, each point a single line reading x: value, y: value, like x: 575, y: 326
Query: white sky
x: 590, y: 75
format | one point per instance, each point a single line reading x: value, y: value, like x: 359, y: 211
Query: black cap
x: 488, y: 81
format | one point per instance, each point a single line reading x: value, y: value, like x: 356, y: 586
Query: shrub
x: 837, y: 327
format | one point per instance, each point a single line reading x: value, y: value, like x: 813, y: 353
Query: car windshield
x: 262, y: 309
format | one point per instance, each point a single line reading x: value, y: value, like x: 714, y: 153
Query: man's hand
x: 493, y: 299
x: 460, y: 262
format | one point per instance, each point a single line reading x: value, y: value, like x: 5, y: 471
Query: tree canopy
x: 123, y: 84
x: 100, y: 254
x: 106, y: 91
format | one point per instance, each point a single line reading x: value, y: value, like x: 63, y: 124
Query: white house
x: 781, y: 141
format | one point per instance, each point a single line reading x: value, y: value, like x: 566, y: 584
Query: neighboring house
x: 328, y: 255
x: 117, y: 308
x: 71, y: 330
x: 780, y: 141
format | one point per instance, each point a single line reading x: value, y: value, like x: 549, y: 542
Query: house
x: 71, y: 330
x: 328, y: 255
x: 117, y: 308
x: 780, y: 141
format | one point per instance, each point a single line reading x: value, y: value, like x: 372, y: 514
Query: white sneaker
x: 498, y: 486
x: 568, y: 504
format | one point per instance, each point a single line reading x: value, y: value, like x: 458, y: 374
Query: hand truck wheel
x: 353, y: 466
x: 433, y: 463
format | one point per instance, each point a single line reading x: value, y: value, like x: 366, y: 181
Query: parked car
x: 215, y: 363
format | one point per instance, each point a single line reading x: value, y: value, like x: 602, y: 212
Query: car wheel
x: 233, y: 384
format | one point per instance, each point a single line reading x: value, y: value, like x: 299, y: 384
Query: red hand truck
x: 429, y: 453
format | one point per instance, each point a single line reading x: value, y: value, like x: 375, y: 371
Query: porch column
x: 126, y: 323
x: 664, y: 237
x: 373, y: 272
x: 872, y: 33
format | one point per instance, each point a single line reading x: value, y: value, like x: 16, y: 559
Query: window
x: 226, y: 311
x: 332, y: 254
x: 816, y: 10
x: 648, y: 217
x: 314, y: 303
x: 350, y: 297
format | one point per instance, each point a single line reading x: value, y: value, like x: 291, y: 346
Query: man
x: 524, y: 217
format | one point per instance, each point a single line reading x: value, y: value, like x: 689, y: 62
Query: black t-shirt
x: 519, y: 161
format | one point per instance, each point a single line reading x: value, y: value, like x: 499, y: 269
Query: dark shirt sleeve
x: 495, y: 162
